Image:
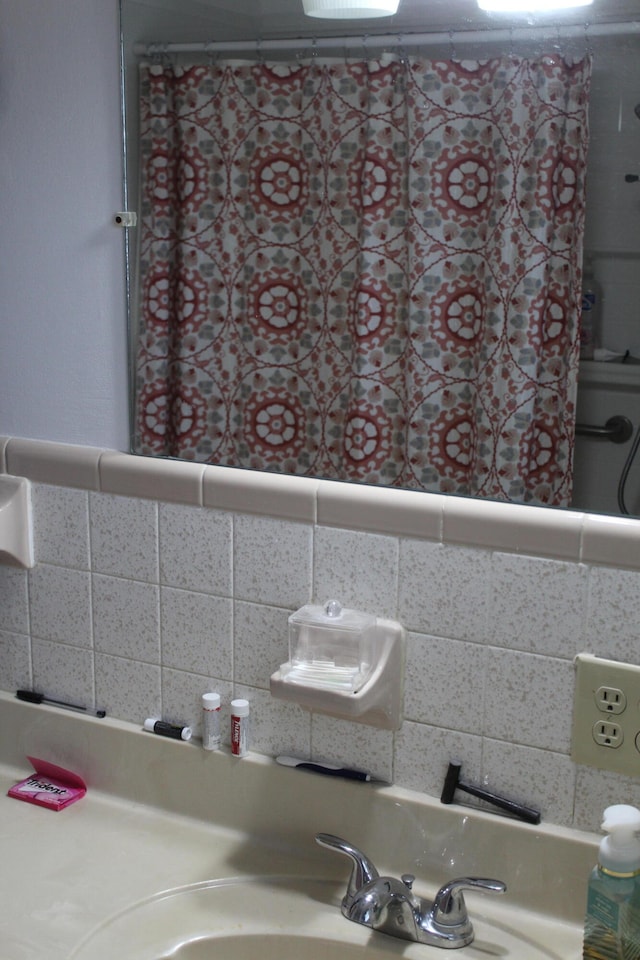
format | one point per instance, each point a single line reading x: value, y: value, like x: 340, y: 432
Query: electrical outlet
x: 611, y: 700
x: 606, y: 715
x: 608, y: 734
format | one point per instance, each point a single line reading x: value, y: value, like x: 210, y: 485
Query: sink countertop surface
x: 65, y: 873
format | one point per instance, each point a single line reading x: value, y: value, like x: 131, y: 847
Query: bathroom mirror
x: 214, y: 33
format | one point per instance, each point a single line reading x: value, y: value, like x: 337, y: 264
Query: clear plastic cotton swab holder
x: 345, y: 664
x: 329, y: 647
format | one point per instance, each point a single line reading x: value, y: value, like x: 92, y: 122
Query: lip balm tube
x: 164, y: 729
x: 211, y: 721
x: 239, y: 727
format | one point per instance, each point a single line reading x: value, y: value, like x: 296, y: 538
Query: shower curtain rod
x: 586, y: 31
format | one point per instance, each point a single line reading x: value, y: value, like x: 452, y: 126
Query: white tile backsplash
x: 358, y: 569
x: 14, y: 599
x: 272, y: 561
x: 197, y: 632
x: 15, y: 661
x: 529, y: 700
x: 126, y: 618
x: 124, y: 536
x: 520, y: 621
x: 445, y: 678
x: 61, y: 604
x: 138, y: 607
x: 195, y: 549
x: 444, y: 589
x: 61, y: 527
x: 125, y: 688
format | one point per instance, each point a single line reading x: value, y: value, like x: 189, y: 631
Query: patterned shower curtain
x: 365, y: 270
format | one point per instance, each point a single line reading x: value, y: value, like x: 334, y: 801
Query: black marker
x: 30, y: 696
x: 164, y: 729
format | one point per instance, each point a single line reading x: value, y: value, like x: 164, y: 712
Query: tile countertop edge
x: 402, y: 830
x: 543, y: 531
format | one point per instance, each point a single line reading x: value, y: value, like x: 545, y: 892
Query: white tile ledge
x: 540, y: 531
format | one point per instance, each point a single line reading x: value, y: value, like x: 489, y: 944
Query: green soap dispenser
x: 612, y: 924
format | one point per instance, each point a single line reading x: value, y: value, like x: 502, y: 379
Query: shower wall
x: 612, y: 241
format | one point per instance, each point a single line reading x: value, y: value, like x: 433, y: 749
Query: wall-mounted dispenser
x: 16, y: 535
x: 344, y: 663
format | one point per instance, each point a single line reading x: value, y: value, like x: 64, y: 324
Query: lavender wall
x: 63, y: 369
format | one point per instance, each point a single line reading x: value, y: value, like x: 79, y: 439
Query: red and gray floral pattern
x: 365, y: 270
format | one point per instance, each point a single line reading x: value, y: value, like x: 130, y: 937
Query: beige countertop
x: 159, y: 814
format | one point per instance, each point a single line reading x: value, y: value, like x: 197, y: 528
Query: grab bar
x: 618, y: 429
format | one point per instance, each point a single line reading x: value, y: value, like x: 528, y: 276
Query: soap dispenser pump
x: 612, y: 925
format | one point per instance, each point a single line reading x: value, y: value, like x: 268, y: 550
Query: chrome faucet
x: 390, y: 906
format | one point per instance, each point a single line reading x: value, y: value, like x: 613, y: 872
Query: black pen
x: 30, y: 696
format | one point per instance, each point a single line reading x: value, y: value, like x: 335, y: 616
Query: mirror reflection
x: 406, y: 260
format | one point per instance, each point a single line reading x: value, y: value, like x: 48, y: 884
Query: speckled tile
x: 353, y: 745
x: 61, y: 604
x: 63, y: 672
x: 15, y: 661
x: 182, y: 699
x: 128, y: 689
x: 276, y: 727
x: 261, y: 642
x: 422, y: 755
x: 124, y: 536
x: 539, y: 779
x: 14, y: 599
x: 531, y: 700
x: 613, y: 614
x: 61, y: 525
x: 272, y: 561
x: 195, y: 548
x: 444, y: 590
x: 520, y: 621
x: 126, y: 618
x: 196, y: 632
x: 598, y: 789
x: 445, y: 682
x: 358, y: 569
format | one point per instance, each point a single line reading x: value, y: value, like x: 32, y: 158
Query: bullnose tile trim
x: 559, y: 534
x: 614, y: 541
x: 406, y: 513
x: 513, y: 527
x: 60, y: 464
x: 273, y: 494
x: 173, y: 481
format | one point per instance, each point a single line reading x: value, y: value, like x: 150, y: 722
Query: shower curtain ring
x: 211, y: 52
x: 452, y: 46
x: 402, y: 50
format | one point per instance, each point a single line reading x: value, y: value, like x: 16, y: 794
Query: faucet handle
x: 449, y: 908
x: 363, y: 870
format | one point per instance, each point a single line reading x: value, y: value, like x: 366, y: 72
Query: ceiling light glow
x: 530, y: 6
x: 350, y: 9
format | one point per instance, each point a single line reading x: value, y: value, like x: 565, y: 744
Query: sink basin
x: 267, y: 947
x: 286, y: 918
